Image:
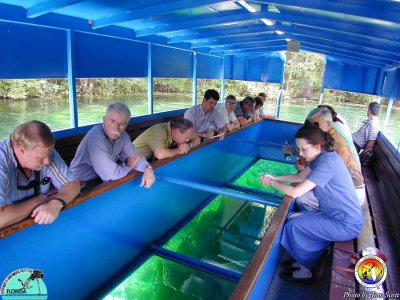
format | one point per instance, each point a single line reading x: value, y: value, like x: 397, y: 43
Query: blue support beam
x: 334, y: 36
x: 150, y: 99
x: 73, y: 101
x: 197, y: 264
x: 377, y: 10
x: 200, y: 21
x: 353, y: 59
x: 251, y: 46
x: 238, y: 40
x: 194, y: 76
x: 338, y: 25
x: 258, y: 50
x: 42, y: 8
x: 220, y: 191
x: 147, y: 11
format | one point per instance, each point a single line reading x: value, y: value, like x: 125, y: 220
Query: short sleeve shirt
x: 11, y: 177
x: 203, y: 122
x: 367, y: 132
x: 334, y: 188
x: 157, y: 136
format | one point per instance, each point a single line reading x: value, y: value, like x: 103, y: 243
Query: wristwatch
x: 62, y: 202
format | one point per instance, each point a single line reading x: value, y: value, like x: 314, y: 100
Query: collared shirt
x: 228, y: 117
x: 350, y: 160
x: 367, y: 132
x: 157, y: 136
x: 100, y: 156
x: 239, y: 112
x: 11, y: 176
x: 202, y: 122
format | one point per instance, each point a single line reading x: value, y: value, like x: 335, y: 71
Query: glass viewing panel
x: 225, y: 233
x: 251, y: 178
x: 160, y: 279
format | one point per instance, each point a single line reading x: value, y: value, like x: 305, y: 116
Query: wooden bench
x: 381, y: 227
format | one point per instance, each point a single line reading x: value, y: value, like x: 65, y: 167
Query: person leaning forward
x: 29, y: 167
x: 107, y: 151
x: 165, y: 140
x: 207, y: 122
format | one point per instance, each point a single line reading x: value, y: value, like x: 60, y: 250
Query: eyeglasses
x: 229, y: 102
x: 115, y: 123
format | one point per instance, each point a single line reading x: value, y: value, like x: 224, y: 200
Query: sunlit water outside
x: 56, y: 113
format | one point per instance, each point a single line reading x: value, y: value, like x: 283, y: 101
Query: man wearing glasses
x: 106, y: 152
x: 228, y: 114
x: 29, y: 166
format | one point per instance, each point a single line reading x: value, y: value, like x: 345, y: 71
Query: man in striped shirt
x: 29, y: 167
x: 365, y: 137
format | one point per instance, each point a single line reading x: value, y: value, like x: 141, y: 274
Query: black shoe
x: 288, y: 265
x: 288, y: 276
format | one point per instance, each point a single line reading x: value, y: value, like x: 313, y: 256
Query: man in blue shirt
x: 107, y: 151
x: 29, y: 166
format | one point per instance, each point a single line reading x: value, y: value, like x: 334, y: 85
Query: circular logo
x: 22, y: 283
x: 370, y: 271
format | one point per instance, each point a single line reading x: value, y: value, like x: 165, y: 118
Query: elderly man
x: 245, y: 112
x: 207, y: 122
x: 323, y: 117
x: 29, y: 168
x: 107, y: 151
x: 165, y: 140
x: 227, y: 112
x: 366, y: 136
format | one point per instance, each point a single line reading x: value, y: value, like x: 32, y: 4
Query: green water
x: 161, y: 279
x: 250, y: 178
x: 226, y: 233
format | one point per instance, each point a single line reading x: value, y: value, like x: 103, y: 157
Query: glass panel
x: 25, y: 100
x: 172, y: 93
x: 251, y: 178
x: 392, y: 130
x: 226, y: 233
x: 95, y: 94
x: 159, y: 278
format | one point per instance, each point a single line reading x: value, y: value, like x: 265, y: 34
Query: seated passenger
x: 207, y: 122
x: 366, y: 136
x: 339, y: 122
x: 323, y: 118
x: 244, y: 112
x: 259, y: 110
x: 29, y: 168
x: 227, y: 113
x: 307, y: 234
x: 165, y: 140
x: 107, y: 151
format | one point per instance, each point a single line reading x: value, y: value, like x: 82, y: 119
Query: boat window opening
x: 205, y: 84
x: 32, y: 99
x: 95, y: 94
x: 242, y: 89
x: 172, y: 93
x: 392, y: 129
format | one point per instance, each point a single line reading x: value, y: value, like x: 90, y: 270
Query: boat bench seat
x: 381, y: 228
x: 67, y: 146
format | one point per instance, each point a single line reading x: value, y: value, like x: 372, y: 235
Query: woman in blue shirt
x: 339, y: 218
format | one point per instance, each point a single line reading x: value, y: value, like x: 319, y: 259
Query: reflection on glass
x: 226, y: 233
x: 160, y: 279
x: 251, y: 178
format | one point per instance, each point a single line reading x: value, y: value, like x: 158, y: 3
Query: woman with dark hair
x: 339, y: 218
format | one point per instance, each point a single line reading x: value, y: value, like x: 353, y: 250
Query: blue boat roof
x: 361, y: 32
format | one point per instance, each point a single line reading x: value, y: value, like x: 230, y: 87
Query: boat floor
x: 281, y: 289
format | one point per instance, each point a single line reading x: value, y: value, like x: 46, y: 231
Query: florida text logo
x: 23, y: 282
x: 370, y: 271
